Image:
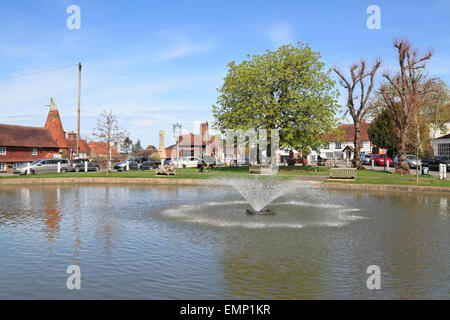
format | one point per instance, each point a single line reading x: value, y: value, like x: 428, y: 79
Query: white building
x: 442, y: 146
x: 343, y: 147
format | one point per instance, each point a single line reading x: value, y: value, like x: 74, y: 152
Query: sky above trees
x: 159, y: 62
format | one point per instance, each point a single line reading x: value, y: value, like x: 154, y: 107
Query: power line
x: 36, y: 73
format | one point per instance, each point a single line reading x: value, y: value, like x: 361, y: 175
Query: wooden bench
x: 259, y: 169
x: 343, y: 173
x: 166, y: 170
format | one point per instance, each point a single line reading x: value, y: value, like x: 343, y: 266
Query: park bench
x: 260, y: 169
x: 343, y: 173
x: 166, y: 170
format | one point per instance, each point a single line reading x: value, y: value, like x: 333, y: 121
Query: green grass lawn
x: 364, y: 176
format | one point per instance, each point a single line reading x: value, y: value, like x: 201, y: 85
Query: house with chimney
x: 196, y: 145
x: 20, y: 144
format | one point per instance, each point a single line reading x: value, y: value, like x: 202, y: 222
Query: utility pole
x: 79, y: 102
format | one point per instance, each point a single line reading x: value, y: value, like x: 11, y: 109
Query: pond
x: 169, y: 242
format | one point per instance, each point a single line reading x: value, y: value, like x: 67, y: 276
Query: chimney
x: 72, y: 135
x: 204, y: 132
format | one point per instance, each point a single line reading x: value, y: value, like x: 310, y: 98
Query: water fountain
x: 259, y: 191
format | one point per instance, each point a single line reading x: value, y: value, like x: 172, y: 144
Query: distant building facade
x: 343, y: 147
x: 99, y: 151
x: 441, y: 146
x: 196, y: 145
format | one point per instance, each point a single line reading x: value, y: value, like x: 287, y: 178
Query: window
x: 2, y: 167
x: 326, y: 146
x: 2, y: 151
x: 338, y: 145
x: 34, y: 152
x: 443, y: 149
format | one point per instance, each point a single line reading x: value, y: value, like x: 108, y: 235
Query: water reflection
x: 196, y: 242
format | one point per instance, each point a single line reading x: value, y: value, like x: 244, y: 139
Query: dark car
x: 151, y: 164
x: 170, y: 161
x: 79, y: 165
x: 134, y: 163
x: 210, y: 161
x: 434, y: 162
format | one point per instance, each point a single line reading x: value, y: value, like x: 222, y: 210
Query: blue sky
x: 160, y: 62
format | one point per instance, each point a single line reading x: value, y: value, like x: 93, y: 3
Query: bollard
x: 128, y: 166
x: 28, y: 168
x: 442, y: 171
x: 59, y: 167
x: 373, y: 164
x: 85, y: 166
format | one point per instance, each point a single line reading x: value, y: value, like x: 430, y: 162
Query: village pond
x: 169, y: 242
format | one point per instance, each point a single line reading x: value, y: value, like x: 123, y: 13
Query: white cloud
x: 281, y: 33
x: 181, y: 46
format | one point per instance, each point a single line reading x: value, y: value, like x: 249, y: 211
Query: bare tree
x: 108, y: 131
x: 358, y: 106
x: 409, y: 87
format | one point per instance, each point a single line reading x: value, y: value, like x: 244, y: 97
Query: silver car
x: 45, y: 166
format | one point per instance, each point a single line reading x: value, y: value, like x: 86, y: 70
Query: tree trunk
x: 357, y: 143
x: 403, y: 166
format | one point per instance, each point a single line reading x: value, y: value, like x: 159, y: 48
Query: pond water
x: 164, y: 242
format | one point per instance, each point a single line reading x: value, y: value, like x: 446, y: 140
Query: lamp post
x: 176, y: 136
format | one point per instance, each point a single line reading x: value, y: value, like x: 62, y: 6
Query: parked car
x: 170, y: 161
x: 411, y: 159
x: 211, y: 161
x: 134, y: 163
x: 381, y: 159
x: 434, y: 162
x: 79, y: 165
x: 206, y: 161
x: 189, y: 162
x: 365, y: 158
x: 151, y: 164
x: 45, y: 166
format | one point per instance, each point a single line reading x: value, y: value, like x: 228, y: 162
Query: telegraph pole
x: 79, y: 102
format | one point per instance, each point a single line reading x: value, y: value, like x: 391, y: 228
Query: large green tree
x: 382, y: 132
x: 287, y: 89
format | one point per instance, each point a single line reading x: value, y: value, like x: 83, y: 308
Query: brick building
x: 99, y: 150
x: 196, y: 145
x: 19, y: 144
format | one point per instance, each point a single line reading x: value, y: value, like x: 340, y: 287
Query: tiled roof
x: 84, y: 147
x: 349, y: 132
x: 101, y: 149
x: 21, y: 136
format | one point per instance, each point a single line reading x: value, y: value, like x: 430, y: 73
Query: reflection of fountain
x: 260, y: 191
